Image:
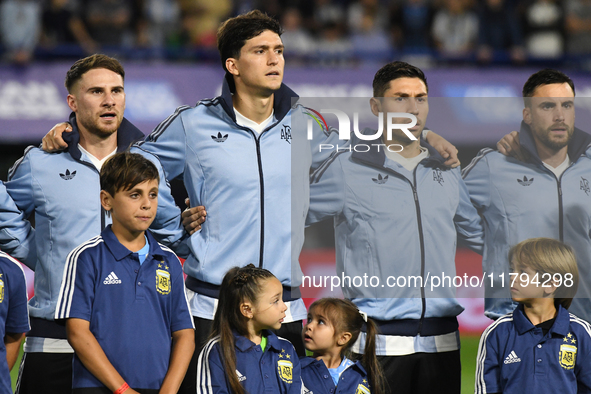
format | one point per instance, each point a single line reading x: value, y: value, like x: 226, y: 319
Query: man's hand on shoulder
x: 53, y: 141
x: 509, y: 146
x: 445, y: 149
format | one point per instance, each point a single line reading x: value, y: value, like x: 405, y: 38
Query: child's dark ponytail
x: 370, y: 360
x: 346, y: 317
x: 239, y: 285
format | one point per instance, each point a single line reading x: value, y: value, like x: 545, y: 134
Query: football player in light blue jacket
x: 63, y: 191
x: 241, y: 157
x: 398, y: 211
x: 546, y: 195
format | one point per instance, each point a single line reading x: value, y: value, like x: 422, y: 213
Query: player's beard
x: 94, y: 128
x: 553, y: 143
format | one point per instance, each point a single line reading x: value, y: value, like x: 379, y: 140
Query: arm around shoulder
x: 477, y: 177
x: 167, y: 226
x: 444, y: 147
x: 327, y: 191
x: 168, y: 142
x: 468, y: 222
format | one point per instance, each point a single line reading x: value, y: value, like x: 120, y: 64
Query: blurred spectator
x: 333, y: 48
x: 297, y: 40
x: 370, y: 43
x: 372, y: 8
x: 109, y: 22
x: 455, y: 29
x: 159, y: 24
x: 329, y: 13
x: 269, y: 7
x: 544, y: 27
x: 499, y: 31
x: 578, y: 25
x: 411, y: 23
x: 201, y: 19
x: 20, y: 27
x: 62, y: 25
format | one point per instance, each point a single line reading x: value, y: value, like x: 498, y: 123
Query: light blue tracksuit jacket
x: 520, y: 200
x: 254, y: 187
x: 393, y: 222
x: 63, y: 191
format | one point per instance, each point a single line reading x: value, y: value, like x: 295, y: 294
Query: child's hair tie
x: 363, y: 315
x: 241, y: 278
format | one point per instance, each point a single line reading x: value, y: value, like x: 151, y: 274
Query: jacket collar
x: 120, y: 252
x: 244, y: 344
x: 126, y: 135
x: 281, y: 99
x: 376, y: 157
x: 576, y: 148
x: 560, y: 327
x: 312, y: 362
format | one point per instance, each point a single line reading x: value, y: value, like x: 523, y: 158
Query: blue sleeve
x: 322, y: 138
x: 17, y: 237
x: 477, y: 178
x: 583, y: 362
x: 488, y: 368
x: 76, y: 296
x: 296, y: 386
x: 15, y: 290
x: 167, y: 227
x: 327, y: 190
x: 168, y: 143
x: 211, y: 375
x: 467, y: 221
x: 181, y: 315
x: 20, y: 188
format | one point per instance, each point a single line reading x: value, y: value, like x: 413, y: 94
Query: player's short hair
x: 125, y: 170
x: 234, y: 32
x: 549, y: 256
x: 543, y: 77
x: 82, y: 66
x: 392, y: 71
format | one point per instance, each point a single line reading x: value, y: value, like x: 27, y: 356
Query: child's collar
x: 561, y: 325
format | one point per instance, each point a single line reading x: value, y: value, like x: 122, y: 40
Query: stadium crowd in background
x: 327, y: 32
x: 333, y: 27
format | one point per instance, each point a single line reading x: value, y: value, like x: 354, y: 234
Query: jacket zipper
x: 422, y: 245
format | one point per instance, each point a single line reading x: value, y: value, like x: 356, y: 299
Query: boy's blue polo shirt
x: 316, y: 378
x: 133, y: 310
x: 514, y: 356
x: 276, y: 370
x: 13, y: 310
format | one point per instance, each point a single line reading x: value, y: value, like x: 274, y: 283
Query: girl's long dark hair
x: 345, y: 317
x: 239, y: 285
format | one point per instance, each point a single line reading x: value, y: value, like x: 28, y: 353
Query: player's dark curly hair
x: 233, y: 33
x: 543, y: 77
x: 82, y: 66
x: 392, y: 71
x: 239, y: 285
